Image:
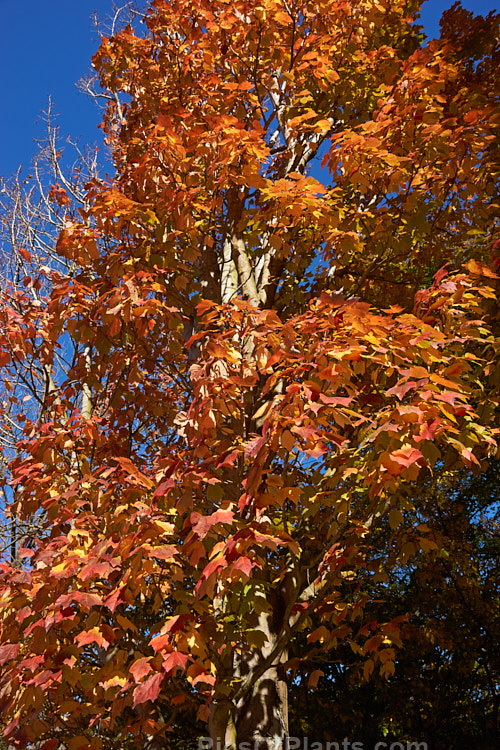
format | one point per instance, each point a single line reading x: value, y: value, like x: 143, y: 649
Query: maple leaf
x: 245, y: 564
x: 203, y: 524
x: 253, y: 447
x: 148, y: 690
x: 91, y: 636
x: 406, y: 456
x: 140, y: 668
x: 84, y: 598
x: 174, y: 660
x: 8, y: 651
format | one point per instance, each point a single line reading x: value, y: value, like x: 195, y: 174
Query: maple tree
x: 279, y: 320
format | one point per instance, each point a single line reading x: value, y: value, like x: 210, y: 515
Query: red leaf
x: 94, y: 570
x: 176, y: 623
x: 166, y: 552
x: 13, y: 724
x: 401, y: 459
x: 140, y: 668
x: 212, y: 567
x: 202, y: 524
x: 51, y: 744
x: 149, y: 690
x: 406, y: 456
x: 305, y: 432
x: 114, y: 599
x: 162, y: 488
x: 427, y: 430
x: 8, y: 651
x: 173, y: 660
x: 448, y: 396
x: 80, y: 597
x: 160, y: 641
x: 173, y: 625
x: 401, y: 390
x: 335, y: 400
x: 254, y: 446
x: 245, y: 565
x: 440, y: 275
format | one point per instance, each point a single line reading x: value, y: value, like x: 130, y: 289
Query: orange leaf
x: 314, y: 677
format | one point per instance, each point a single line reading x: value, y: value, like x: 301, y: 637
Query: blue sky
x: 46, y: 46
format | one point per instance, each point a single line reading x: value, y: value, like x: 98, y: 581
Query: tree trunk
x: 262, y: 719
x: 259, y: 717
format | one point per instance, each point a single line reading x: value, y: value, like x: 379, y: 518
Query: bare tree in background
x: 128, y: 14
x: 33, y: 210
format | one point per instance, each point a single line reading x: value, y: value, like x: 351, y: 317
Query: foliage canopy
x: 278, y: 322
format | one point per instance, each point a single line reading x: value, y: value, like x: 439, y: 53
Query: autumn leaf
x: 174, y: 660
x: 203, y: 524
x: 148, y: 690
x: 94, y: 635
x: 84, y: 598
x: 312, y: 682
x: 8, y: 651
x: 140, y: 668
